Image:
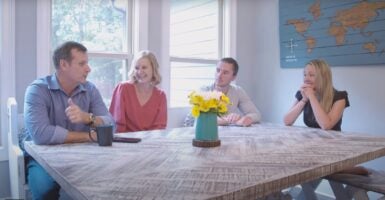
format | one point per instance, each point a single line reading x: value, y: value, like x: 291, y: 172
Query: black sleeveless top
x: 308, y: 115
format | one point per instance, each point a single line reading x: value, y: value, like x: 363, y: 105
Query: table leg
x: 308, y: 190
x: 347, y: 192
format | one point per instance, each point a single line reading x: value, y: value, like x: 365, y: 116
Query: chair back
x: 13, y: 122
x: 19, y: 187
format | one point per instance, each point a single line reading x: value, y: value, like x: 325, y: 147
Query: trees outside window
x: 104, y: 27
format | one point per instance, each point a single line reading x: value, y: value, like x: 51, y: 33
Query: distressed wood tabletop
x: 251, y: 162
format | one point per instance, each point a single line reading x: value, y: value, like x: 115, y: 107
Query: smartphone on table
x: 126, y: 140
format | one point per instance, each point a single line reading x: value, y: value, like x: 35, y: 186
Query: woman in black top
x: 322, y: 105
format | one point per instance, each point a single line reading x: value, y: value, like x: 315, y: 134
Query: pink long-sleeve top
x: 130, y: 116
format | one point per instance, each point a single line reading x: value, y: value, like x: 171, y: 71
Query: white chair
x: 19, y: 186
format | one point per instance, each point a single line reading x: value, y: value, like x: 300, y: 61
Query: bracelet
x: 92, y: 119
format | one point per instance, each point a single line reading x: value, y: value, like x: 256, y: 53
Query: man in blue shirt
x: 61, y: 108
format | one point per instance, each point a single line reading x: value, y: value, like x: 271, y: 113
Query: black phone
x: 127, y: 140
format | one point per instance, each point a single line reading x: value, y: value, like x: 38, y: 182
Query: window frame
x: 226, y: 41
x: 138, y: 20
x: 44, y: 16
x: 7, y: 69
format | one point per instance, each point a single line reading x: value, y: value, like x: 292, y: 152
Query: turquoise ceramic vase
x: 206, y: 127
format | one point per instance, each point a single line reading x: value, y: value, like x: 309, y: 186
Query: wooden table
x: 251, y: 162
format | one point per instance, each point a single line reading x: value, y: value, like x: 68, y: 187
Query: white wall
x: 25, y: 61
x: 245, y: 46
x: 275, y: 87
x: 25, y: 47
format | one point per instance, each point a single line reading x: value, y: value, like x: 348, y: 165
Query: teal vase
x: 206, y: 128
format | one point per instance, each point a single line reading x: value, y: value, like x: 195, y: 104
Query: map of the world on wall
x: 342, y: 32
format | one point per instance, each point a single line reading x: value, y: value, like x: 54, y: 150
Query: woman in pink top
x: 137, y: 104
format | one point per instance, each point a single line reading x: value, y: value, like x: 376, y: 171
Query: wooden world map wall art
x: 344, y: 32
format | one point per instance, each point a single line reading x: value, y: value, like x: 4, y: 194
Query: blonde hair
x: 324, y: 83
x: 156, y: 78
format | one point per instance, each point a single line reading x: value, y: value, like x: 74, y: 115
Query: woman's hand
x: 306, y: 91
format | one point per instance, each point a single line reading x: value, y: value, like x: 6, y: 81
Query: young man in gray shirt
x: 242, y: 110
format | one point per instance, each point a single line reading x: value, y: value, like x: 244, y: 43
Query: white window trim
x: 7, y: 69
x: 230, y: 28
x: 140, y: 25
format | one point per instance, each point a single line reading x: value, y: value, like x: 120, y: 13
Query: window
x: 104, y: 27
x: 195, y: 46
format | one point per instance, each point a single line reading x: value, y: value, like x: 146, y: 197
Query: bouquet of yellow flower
x: 211, y: 101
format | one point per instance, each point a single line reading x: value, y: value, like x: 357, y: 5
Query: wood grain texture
x: 250, y: 162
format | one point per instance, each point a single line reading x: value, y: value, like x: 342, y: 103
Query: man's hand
x: 232, y: 118
x: 245, y: 121
x: 75, y: 114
